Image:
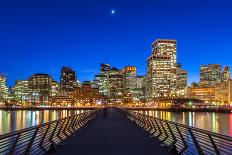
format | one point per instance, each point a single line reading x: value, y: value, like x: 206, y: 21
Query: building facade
x: 223, y: 92
x: 21, y: 91
x: 210, y: 75
x: 225, y: 76
x: 161, y: 70
x: 116, y: 86
x: 181, y: 82
x: 39, y: 89
x: 102, y: 79
x: 206, y: 94
x: 3, y: 88
x: 67, y: 80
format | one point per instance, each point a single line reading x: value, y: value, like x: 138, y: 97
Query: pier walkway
x: 113, y: 134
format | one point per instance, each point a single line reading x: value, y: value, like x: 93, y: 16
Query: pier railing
x: 43, y: 138
x: 183, y: 139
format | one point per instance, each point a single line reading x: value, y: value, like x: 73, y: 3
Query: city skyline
x: 81, y: 36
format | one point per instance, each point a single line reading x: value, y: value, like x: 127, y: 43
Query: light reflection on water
x: 16, y: 120
x: 215, y: 122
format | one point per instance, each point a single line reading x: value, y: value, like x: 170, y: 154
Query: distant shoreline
x: 219, y: 110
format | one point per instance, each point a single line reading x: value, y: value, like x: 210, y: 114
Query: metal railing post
x: 28, y: 148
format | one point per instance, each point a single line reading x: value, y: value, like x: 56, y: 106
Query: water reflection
x: 15, y: 120
x: 215, y: 122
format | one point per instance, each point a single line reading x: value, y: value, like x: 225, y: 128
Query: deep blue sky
x: 42, y: 35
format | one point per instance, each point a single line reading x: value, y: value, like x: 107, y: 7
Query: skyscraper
x: 67, y: 80
x: 129, y: 83
x: 116, y: 86
x: 181, y: 81
x: 3, y: 87
x: 210, y: 75
x: 39, y: 88
x: 102, y: 79
x: 161, y: 69
x: 225, y: 76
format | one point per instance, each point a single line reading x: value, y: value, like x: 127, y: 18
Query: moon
x: 113, y: 12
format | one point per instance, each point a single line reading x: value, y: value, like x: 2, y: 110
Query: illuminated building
x: 21, y: 91
x: 54, y: 88
x: 129, y: 83
x: 116, y: 86
x: 87, y: 94
x: 139, y: 92
x: 67, y: 80
x: 3, y: 88
x: 39, y: 88
x: 181, y: 82
x: 102, y: 79
x: 225, y: 74
x: 206, y: 94
x: 161, y: 70
x: 62, y: 100
x: 223, y: 92
x: 210, y: 75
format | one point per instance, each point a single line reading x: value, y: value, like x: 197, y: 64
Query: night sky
x: 40, y: 36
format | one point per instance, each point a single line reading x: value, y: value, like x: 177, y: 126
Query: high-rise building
x: 21, y: 91
x: 104, y: 68
x: 161, y: 70
x: 3, y: 88
x: 67, y: 80
x: 129, y: 83
x: 116, y: 86
x: 181, y: 81
x: 139, y: 92
x: 210, y: 75
x: 39, y: 88
x: 102, y: 79
x: 54, y: 88
x: 225, y: 76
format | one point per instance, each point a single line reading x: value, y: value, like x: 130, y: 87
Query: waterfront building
x: 161, y: 70
x: 225, y: 76
x: 116, y: 86
x: 67, y: 80
x: 62, y: 100
x: 54, y: 88
x: 102, y: 79
x: 39, y: 88
x: 181, y: 81
x: 210, y: 75
x: 21, y: 91
x: 223, y: 92
x: 206, y: 94
x: 3, y: 88
x: 87, y: 94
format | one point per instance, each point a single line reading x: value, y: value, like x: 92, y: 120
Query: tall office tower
x: 102, y: 79
x: 21, y: 91
x: 129, y: 78
x: 210, y: 75
x: 181, y: 81
x: 129, y: 83
x: 67, y: 80
x: 3, y: 88
x: 54, y: 88
x: 39, y: 88
x: 225, y: 74
x: 161, y: 70
x: 140, y: 89
x: 116, y: 86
